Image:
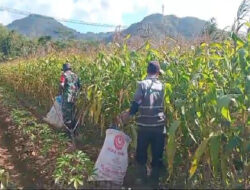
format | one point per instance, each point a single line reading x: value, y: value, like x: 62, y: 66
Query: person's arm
x: 62, y: 83
x: 133, y: 108
x: 137, y: 100
x: 78, y: 83
x: 125, y: 116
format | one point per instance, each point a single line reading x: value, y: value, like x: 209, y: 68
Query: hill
x: 36, y: 26
x: 158, y: 26
x: 155, y: 26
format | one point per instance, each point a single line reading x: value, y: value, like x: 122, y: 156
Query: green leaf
x: 214, y: 148
x: 191, y: 135
x: 147, y: 47
x: 224, y: 168
x: 248, y: 84
x: 217, y: 45
x: 128, y: 36
x: 57, y: 180
x: 247, y: 146
x: 223, y: 101
x: 171, y: 145
x: 198, y: 114
x: 242, y: 58
x: 198, y: 153
x: 203, y: 44
x: 168, y: 92
x: 233, y: 143
x: 76, y: 184
x: 225, y: 113
x: 237, y: 39
x: 134, y: 137
x: 80, y: 182
x: 168, y: 88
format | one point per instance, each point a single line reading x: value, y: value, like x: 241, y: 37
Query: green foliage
x: 73, y: 170
x: 4, y: 179
x: 214, y: 148
x: 171, y: 145
x: 207, y: 92
x: 43, y: 40
x: 210, y: 27
x: 38, y: 133
x: 13, y: 45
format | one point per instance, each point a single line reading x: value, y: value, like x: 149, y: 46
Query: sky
x: 121, y: 12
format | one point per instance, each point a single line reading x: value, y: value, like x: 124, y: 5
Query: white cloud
x: 55, y: 8
x: 6, y: 18
x: 103, y: 11
x: 111, y: 11
x: 223, y: 10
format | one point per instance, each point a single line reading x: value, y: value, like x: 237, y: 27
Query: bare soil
x: 20, y: 174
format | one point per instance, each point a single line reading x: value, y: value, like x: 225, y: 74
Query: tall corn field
x: 207, y: 102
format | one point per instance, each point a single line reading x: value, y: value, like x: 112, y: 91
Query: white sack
x: 112, y: 161
x: 55, y: 116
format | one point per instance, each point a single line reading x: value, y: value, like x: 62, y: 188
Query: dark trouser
x: 150, y: 136
x: 68, y: 113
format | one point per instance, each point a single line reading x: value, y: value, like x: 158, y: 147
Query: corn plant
x: 207, y: 101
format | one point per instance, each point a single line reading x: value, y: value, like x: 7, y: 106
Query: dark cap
x: 66, y: 67
x: 154, y: 67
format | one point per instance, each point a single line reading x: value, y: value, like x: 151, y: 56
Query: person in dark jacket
x: 70, y: 85
x: 149, y: 102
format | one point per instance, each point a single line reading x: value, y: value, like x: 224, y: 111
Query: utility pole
x: 117, y: 35
x: 163, y: 22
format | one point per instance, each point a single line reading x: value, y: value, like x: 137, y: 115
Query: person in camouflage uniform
x: 70, y: 85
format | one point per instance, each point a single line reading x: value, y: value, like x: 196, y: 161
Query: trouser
x: 155, y: 137
x: 68, y: 113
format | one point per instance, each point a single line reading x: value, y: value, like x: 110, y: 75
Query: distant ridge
x: 155, y: 26
x: 158, y: 26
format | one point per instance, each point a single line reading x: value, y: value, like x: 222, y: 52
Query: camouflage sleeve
x: 62, y: 80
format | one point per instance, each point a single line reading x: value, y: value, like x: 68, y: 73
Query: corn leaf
x: 225, y: 113
x: 171, y: 145
x: 198, y: 153
x: 214, y: 148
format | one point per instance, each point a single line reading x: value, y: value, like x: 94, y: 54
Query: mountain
x: 36, y: 26
x: 158, y: 26
x: 155, y: 26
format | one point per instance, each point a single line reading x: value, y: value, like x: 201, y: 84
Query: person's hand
x: 123, y: 118
x: 117, y: 120
x: 62, y: 86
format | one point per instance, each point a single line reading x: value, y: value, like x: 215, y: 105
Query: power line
x: 26, y: 13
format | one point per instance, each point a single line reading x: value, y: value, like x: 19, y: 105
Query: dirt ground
x: 20, y: 174
x: 16, y: 159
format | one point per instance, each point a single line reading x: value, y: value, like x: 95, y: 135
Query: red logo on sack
x: 119, y: 142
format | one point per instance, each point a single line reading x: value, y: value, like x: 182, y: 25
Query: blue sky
x: 121, y: 12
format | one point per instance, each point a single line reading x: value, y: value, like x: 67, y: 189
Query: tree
x: 13, y: 44
x: 210, y: 27
x: 44, y: 40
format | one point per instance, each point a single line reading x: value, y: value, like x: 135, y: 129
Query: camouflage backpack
x: 71, y: 86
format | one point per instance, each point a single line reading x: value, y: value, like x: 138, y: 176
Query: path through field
x: 10, y: 160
